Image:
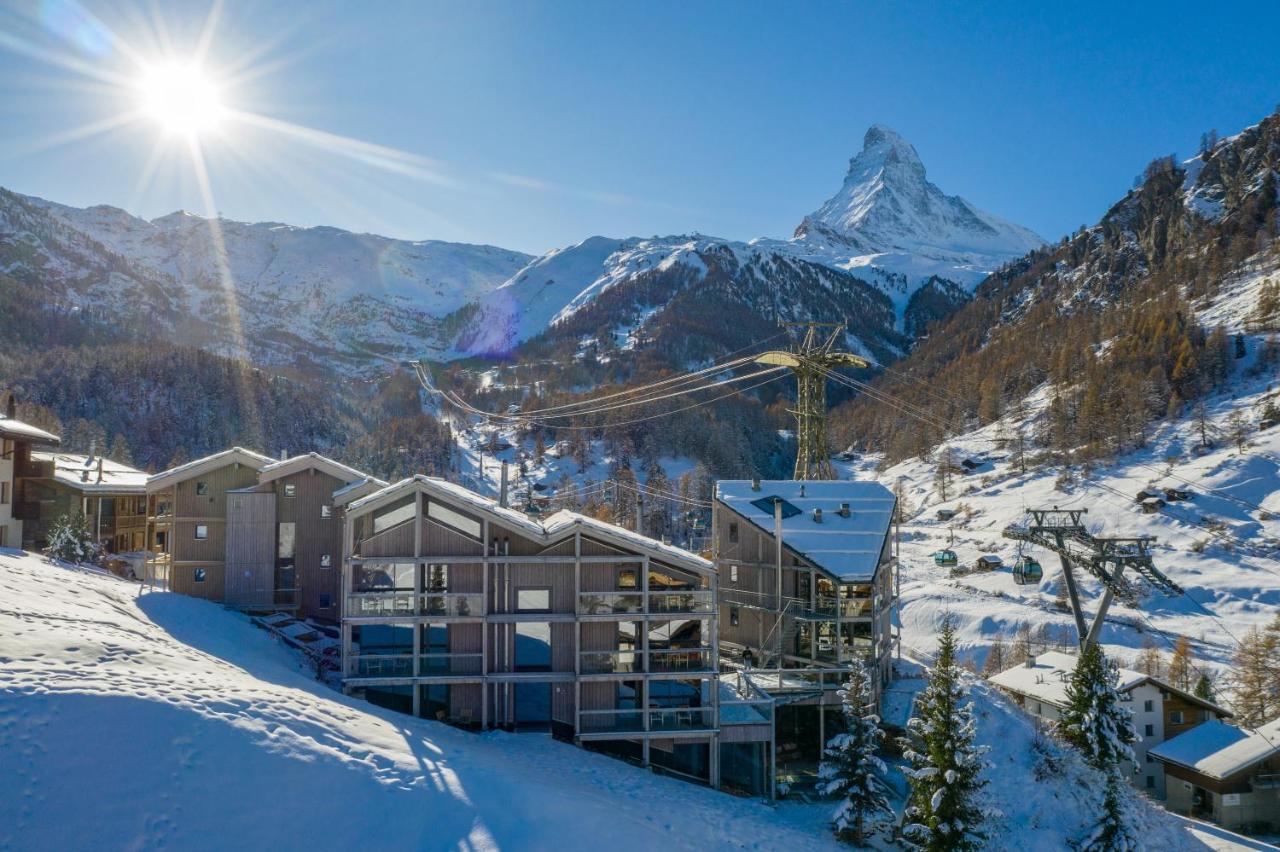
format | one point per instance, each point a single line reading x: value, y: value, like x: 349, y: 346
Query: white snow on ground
x: 1234, y: 514
x: 159, y: 720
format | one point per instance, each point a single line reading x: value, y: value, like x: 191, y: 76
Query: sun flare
x: 182, y: 99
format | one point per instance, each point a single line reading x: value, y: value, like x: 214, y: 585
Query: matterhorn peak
x: 888, y: 205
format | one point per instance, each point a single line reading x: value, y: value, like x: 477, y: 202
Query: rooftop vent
x: 817, y: 516
x: 801, y: 489
x: 1031, y: 661
x: 844, y: 510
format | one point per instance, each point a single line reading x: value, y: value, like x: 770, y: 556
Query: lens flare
x: 180, y: 98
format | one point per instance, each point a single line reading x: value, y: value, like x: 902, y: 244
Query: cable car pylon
x: 810, y: 362
x: 1061, y: 531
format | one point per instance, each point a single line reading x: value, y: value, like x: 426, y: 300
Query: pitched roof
x: 359, y: 488
x: 1047, y: 680
x: 555, y: 528
x: 19, y: 431
x: 235, y: 455
x: 1219, y: 750
x: 81, y: 473
x: 848, y: 548
x: 306, y: 461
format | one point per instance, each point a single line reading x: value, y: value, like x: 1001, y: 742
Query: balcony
x: 401, y: 665
x: 660, y: 603
x: 407, y: 604
x: 660, y: 661
x: 661, y: 720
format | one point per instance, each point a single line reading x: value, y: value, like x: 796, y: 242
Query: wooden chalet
x: 17, y: 440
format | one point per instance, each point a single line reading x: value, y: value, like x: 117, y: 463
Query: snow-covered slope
x: 275, y: 292
x: 888, y: 229
x: 161, y: 721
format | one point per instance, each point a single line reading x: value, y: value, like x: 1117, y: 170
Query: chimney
x: 817, y: 516
x: 11, y: 407
x: 1031, y: 661
x: 284, y: 454
x: 755, y: 483
x: 844, y: 510
x: 99, y: 468
x: 801, y: 489
x: 502, y: 488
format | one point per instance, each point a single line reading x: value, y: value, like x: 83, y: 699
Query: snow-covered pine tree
x: 1113, y: 832
x: 71, y: 541
x: 852, y: 770
x: 946, y: 765
x: 1094, y: 721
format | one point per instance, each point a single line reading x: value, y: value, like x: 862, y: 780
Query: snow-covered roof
x: 19, y: 431
x: 1219, y: 750
x: 849, y: 548
x: 555, y: 528
x: 357, y: 489
x: 237, y: 455
x: 1047, y: 680
x: 81, y: 473
x: 336, y: 469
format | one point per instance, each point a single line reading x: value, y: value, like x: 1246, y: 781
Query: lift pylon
x: 1106, y: 559
x: 810, y: 362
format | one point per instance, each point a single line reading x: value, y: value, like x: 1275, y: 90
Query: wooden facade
x: 461, y: 610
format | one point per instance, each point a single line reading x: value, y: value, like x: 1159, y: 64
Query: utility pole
x: 810, y: 362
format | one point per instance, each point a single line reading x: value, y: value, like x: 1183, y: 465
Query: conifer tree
x: 943, y: 812
x: 1113, y: 832
x: 1094, y: 721
x: 851, y: 769
x: 1204, y: 689
x: 71, y: 540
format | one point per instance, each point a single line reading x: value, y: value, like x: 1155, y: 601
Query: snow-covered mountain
x: 888, y: 230
x: 276, y: 293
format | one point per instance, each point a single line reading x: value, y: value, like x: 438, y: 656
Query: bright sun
x: 181, y: 98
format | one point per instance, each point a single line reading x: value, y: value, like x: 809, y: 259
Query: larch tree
x: 946, y: 765
x: 1254, y: 687
x: 1180, y: 664
x: 852, y: 770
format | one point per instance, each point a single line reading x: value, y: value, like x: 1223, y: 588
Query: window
x: 4, y: 493
x: 1151, y: 782
x: 326, y: 601
x: 285, y: 541
x: 766, y: 505
x: 440, y: 512
x: 733, y: 573
x: 533, y: 600
x: 1148, y: 706
x: 627, y: 579
x: 198, y: 575
x: 733, y: 533
x: 202, y: 532
x: 533, y: 646
x: 393, y: 516
x: 326, y: 510
x: 1175, y: 717
x: 733, y: 616
x: 1148, y: 730
x: 290, y: 490
x: 202, y: 488
x: 326, y: 561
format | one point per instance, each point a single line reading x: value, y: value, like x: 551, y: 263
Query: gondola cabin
x: 1027, y: 571
x: 945, y: 558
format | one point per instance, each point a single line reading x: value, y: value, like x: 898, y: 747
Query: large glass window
x: 436, y: 578
x: 393, y: 515
x: 440, y: 512
x: 285, y: 542
x: 385, y: 577
x: 533, y: 646
x: 534, y: 599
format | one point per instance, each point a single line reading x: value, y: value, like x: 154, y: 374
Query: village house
x: 806, y: 594
x: 458, y: 608
x: 17, y: 439
x: 1225, y: 774
x: 111, y: 496
x: 246, y: 530
x: 1160, y: 710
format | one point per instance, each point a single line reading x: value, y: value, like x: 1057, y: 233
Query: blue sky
x: 533, y: 125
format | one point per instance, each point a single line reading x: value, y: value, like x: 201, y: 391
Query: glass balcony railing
x: 401, y: 665
x: 671, y: 719
x: 450, y: 664
x: 402, y: 603
x: 609, y: 603
x: 664, y: 602
x: 681, y: 660
x: 681, y: 719
x: 610, y: 662
x: 382, y: 665
x: 611, y: 721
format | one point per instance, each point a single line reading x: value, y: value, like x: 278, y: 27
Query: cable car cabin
x: 1027, y: 571
x: 945, y: 558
